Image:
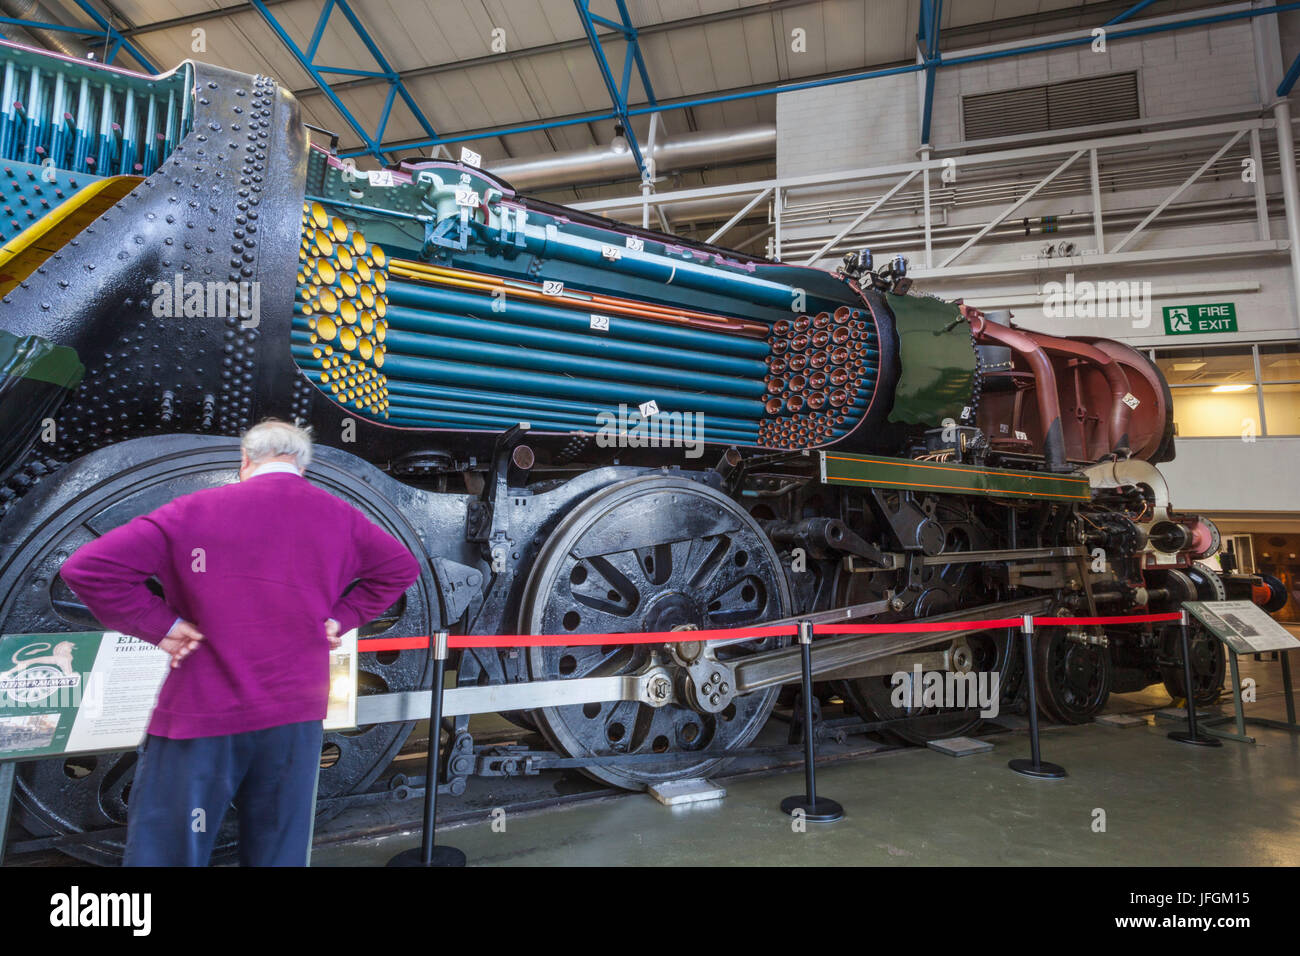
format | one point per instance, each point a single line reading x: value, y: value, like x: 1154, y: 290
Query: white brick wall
x: 876, y: 122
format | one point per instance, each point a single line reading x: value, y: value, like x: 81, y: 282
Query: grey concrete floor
x: 1162, y: 803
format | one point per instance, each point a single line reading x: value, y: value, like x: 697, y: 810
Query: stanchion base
x: 1187, y: 737
x: 824, y: 810
x: 442, y: 856
x: 1050, y: 771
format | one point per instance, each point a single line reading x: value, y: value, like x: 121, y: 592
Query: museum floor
x: 1164, y: 803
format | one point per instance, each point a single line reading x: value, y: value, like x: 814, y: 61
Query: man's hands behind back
x: 180, y: 640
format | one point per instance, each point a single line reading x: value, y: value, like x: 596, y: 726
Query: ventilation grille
x: 1035, y: 109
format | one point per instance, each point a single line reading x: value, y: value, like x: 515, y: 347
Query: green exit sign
x: 1200, y: 319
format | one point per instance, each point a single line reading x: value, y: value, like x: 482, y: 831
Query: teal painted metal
x: 551, y: 243
x: 436, y: 371
x: 30, y: 192
x: 571, y: 320
x: 582, y: 410
x: 506, y: 357
x: 86, y: 119
x: 436, y: 325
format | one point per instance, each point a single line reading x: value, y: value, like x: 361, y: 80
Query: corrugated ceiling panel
x: 846, y: 28
x: 141, y: 12
x: 813, y: 59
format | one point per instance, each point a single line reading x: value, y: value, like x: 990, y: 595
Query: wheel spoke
x: 656, y: 577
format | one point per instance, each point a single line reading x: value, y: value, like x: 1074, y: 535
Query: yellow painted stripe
x: 23, y: 254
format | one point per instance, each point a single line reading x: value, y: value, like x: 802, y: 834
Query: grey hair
x: 272, y: 438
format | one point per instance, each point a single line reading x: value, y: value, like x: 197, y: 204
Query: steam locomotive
x: 581, y: 427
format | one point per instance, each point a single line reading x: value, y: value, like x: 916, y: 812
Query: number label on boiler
x: 600, y: 323
x: 551, y: 287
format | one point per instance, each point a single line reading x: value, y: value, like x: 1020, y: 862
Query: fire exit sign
x: 1200, y: 319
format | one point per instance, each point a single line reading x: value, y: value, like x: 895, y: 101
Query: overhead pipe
x: 602, y: 164
x: 56, y: 40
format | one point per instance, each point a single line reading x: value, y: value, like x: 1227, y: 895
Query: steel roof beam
x: 927, y: 40
x: 619, y: 90
x: 373, y: 142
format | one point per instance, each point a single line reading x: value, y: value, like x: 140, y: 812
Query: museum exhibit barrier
x: 440, y: 702
x: 813, y: 808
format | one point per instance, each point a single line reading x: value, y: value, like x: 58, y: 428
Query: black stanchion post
x: 1191, y: 735
x: 815, y: 809
x: 429, y: 853
x: 1034, y: 767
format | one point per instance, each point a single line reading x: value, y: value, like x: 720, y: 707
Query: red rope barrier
x: 903, y: 627
x: 720, y: 634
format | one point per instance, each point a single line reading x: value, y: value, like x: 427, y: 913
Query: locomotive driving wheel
x: 107, y: 489
x: 1072, y: 674
x: 1209, y: 660
x: 943, y: 589
x: 652, y: 553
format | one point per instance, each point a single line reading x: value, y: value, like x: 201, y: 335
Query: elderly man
x: 259, y: 578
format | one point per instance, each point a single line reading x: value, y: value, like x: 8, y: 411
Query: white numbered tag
x: 471, y: 158
x: 467, y: 197
x: 612, y: 253
x: 649, y: 408
x: 600, y: 323
x: 551, y: 287
x: 635, y: 244
x: 381, y: 177
x: 1022, y: 436
x: 1131, y: 400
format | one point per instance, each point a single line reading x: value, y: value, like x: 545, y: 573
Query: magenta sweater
x: 257, y: 567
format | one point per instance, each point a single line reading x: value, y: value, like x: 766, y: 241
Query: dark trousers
x: 182, y: 789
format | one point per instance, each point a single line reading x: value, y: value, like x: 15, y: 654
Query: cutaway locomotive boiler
x: 580, y: 427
